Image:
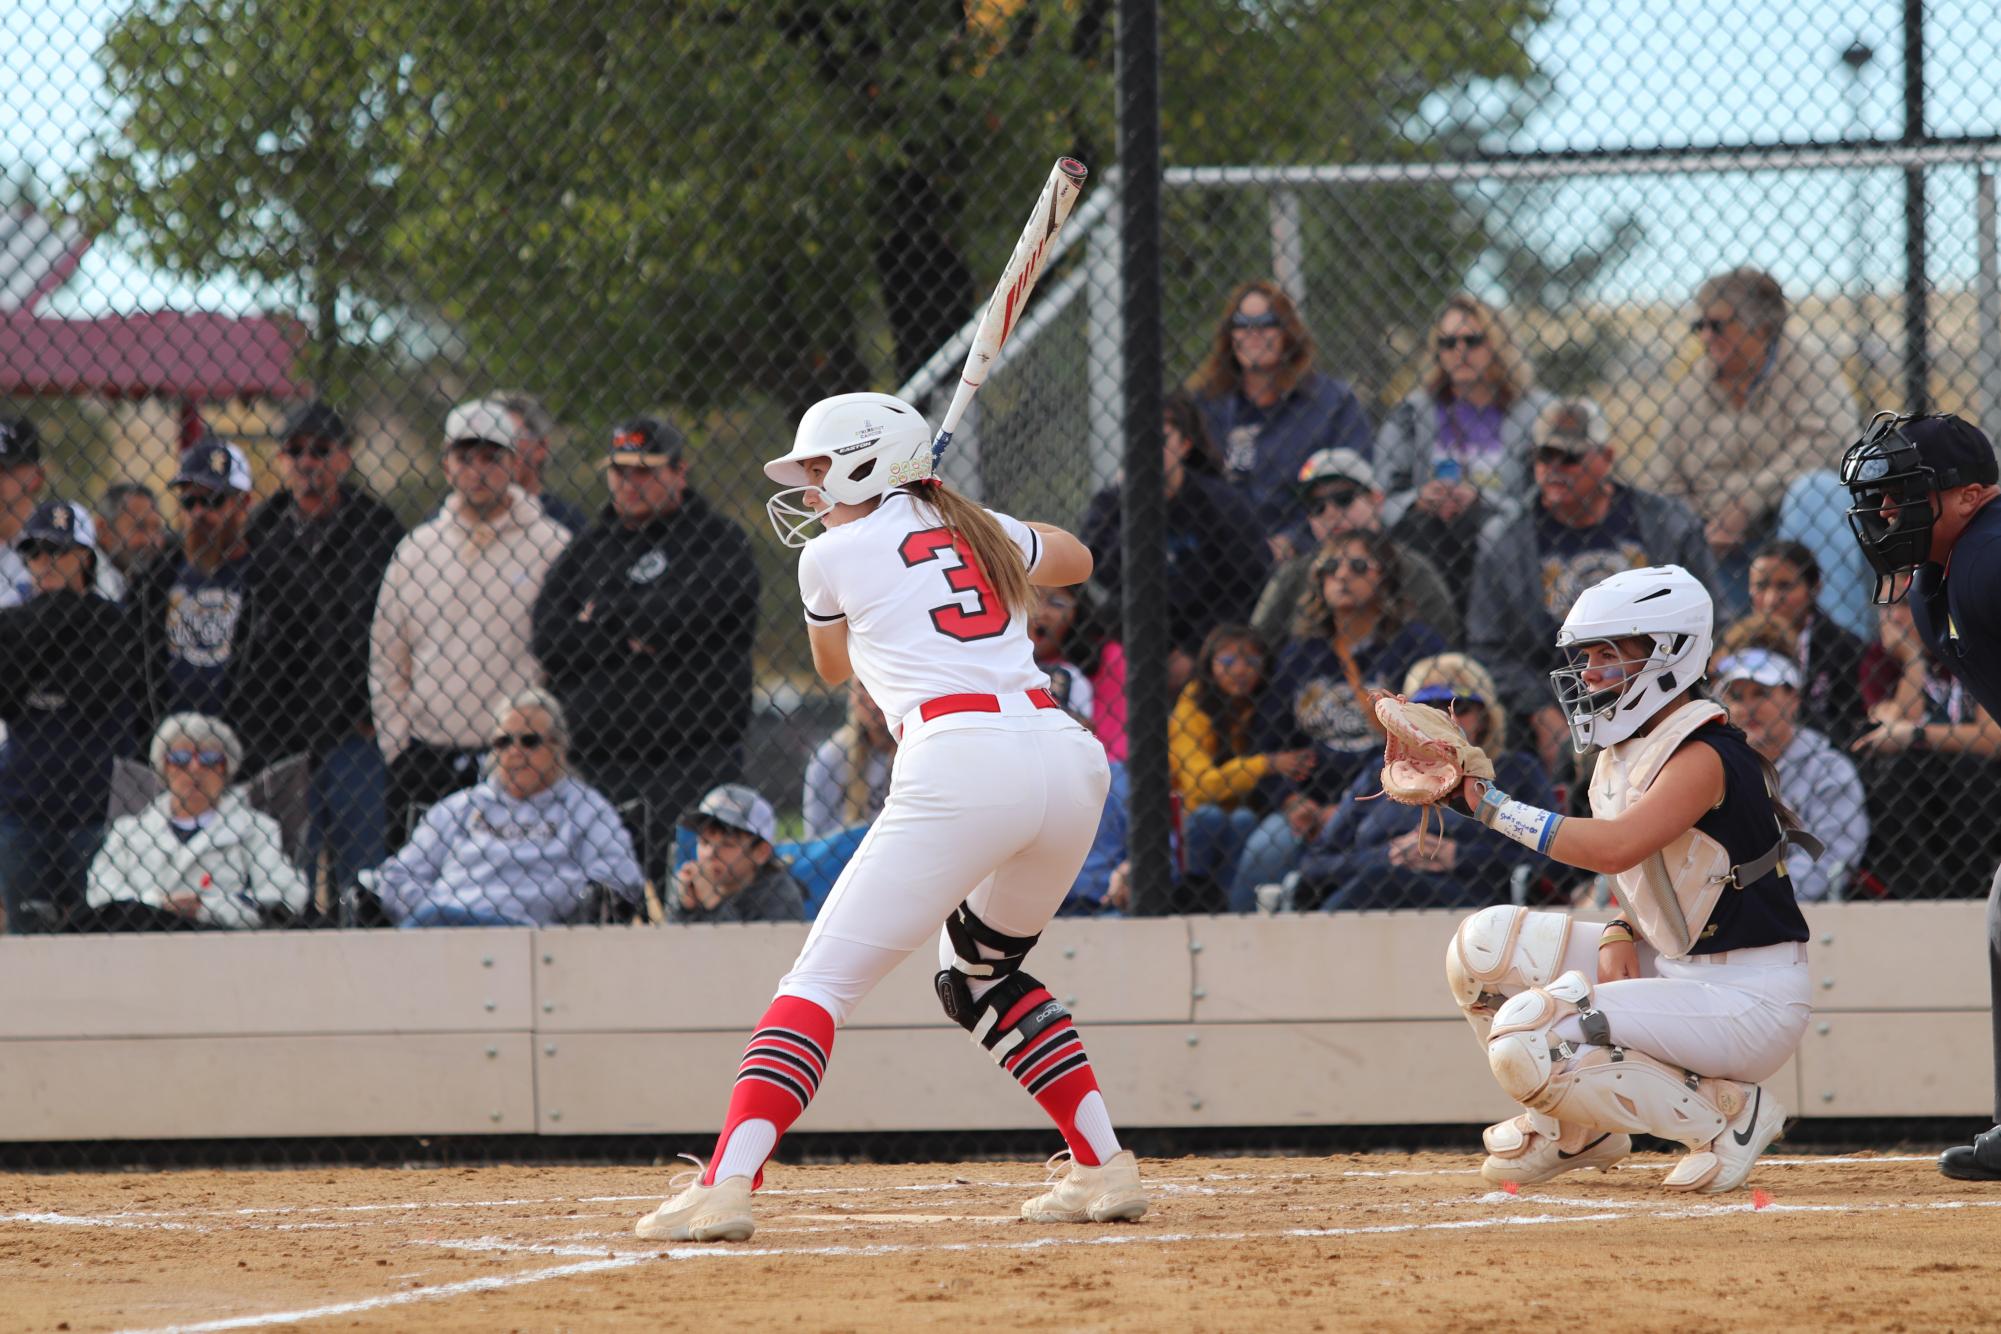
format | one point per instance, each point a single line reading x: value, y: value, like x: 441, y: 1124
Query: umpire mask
x: 1896, y: 502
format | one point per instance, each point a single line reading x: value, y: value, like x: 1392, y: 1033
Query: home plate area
x: 1370, y: 1241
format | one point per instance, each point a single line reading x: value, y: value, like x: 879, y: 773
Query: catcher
x: 1668, y: 1020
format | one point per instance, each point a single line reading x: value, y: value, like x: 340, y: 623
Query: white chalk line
x: 1167, y: 1185
x: 441, y: 1292
x: 602, y: 1259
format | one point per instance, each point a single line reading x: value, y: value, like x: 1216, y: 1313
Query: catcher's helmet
x: 1666, y: 604
x: 872, y: 442
x: 1895, y: 472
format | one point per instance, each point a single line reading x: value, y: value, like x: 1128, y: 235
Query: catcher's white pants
x: 1740, y: 1019
x: 993, y: 810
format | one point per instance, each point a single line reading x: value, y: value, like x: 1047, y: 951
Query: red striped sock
x: 1055, y: 1071
x: 781, y: 1071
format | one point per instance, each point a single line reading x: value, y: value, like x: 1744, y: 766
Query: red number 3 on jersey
x: 988, y: 617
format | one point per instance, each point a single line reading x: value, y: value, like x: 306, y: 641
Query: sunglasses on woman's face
x: 1355, y: 564
x: 181, y: 757
x: 1268, y: 320
x: 1452, y: 342
x: 32, y: 550
x: 1338, y: 500
x: 525, y: 740
x: 1228, y: 660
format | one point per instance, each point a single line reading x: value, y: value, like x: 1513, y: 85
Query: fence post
x: 1145, y: 594
x: 1104, y: 312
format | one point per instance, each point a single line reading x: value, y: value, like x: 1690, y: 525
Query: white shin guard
x: 1499, y: 951
x: 1600, y: 1085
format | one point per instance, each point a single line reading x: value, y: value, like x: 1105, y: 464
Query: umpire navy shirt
x: 1957, y: 608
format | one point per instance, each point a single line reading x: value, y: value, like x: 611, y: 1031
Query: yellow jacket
x: 1192, y: 744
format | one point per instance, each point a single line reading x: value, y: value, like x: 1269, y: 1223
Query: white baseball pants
x: 996, y: 811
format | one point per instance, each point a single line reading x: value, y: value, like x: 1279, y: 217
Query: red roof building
x: 188, y: 356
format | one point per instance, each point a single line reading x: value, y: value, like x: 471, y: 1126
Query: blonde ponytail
x: 994, y: 552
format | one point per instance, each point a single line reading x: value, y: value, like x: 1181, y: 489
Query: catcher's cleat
x: 1520, y: 1152
x: 1726, y: 1161
x: 1110, y: 1193
x: 701, y: 1213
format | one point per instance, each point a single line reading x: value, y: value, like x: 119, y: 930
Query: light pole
x: 1857, y: 57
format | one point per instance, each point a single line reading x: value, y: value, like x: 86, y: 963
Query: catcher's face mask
x: 1896, y: 503
x: 1598, y: 682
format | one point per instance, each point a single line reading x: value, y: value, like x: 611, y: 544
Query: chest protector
x: 1672, y: 893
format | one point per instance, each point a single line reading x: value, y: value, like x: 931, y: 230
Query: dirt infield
x: 1375, y: 1242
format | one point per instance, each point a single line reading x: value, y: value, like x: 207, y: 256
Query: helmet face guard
x: 1634, y: 693
x: 1896, y: 504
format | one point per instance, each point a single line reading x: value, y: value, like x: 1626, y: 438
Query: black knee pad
x: 967, y: 933
x: 982, y: 1017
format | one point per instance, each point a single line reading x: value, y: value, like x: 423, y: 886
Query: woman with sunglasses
x: 69, y: 701
x: 1217, y: 768
x: 199, y: 855
x: 1379, y: 854
x: 1267, y: 408
x: 525, y: 846
x: 1753, y: 415
x: 1353, y: 633
x: 1456, y: 451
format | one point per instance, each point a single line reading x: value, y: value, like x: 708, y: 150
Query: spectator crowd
x: 294, y: 709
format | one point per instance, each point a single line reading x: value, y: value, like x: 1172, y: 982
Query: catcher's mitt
x: 1427, y: 756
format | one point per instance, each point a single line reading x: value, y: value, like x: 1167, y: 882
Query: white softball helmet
x: 872, y: 442
x: 1666, y: 604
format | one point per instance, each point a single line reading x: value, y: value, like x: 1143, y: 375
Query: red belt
x: 944, y: 704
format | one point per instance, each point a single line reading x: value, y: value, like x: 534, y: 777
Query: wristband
x: 1530, y: 826
x: 1919, y: 741
x: 1615, y: 934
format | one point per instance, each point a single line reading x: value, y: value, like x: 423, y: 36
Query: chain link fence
x: 389, y: 384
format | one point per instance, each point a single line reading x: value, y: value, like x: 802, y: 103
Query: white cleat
x: 701, y: 1213
x: 1520, y: 1152
x: 1726, y: 1161
x: 1107, y: 1194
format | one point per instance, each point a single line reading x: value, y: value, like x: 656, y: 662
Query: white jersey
x: 921, y: 620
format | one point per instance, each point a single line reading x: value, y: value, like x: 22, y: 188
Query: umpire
x: 644, y: 627
x: 1924, y: 489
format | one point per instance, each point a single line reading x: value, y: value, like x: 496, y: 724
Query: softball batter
x: 1668, y: 1021
x: 994, y: 799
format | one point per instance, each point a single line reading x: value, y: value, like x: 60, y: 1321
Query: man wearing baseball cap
x: 1582, y: 526
x: 452, y: 623
x: 194, y: 607
x: 69, y: 705
x: 644, y: 628
x: 1925, y: 515
x: 733, y: 876
x: 1338, y: 493
x: 319, y: 547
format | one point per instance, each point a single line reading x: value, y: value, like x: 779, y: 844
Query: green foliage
x: 707, y: 203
